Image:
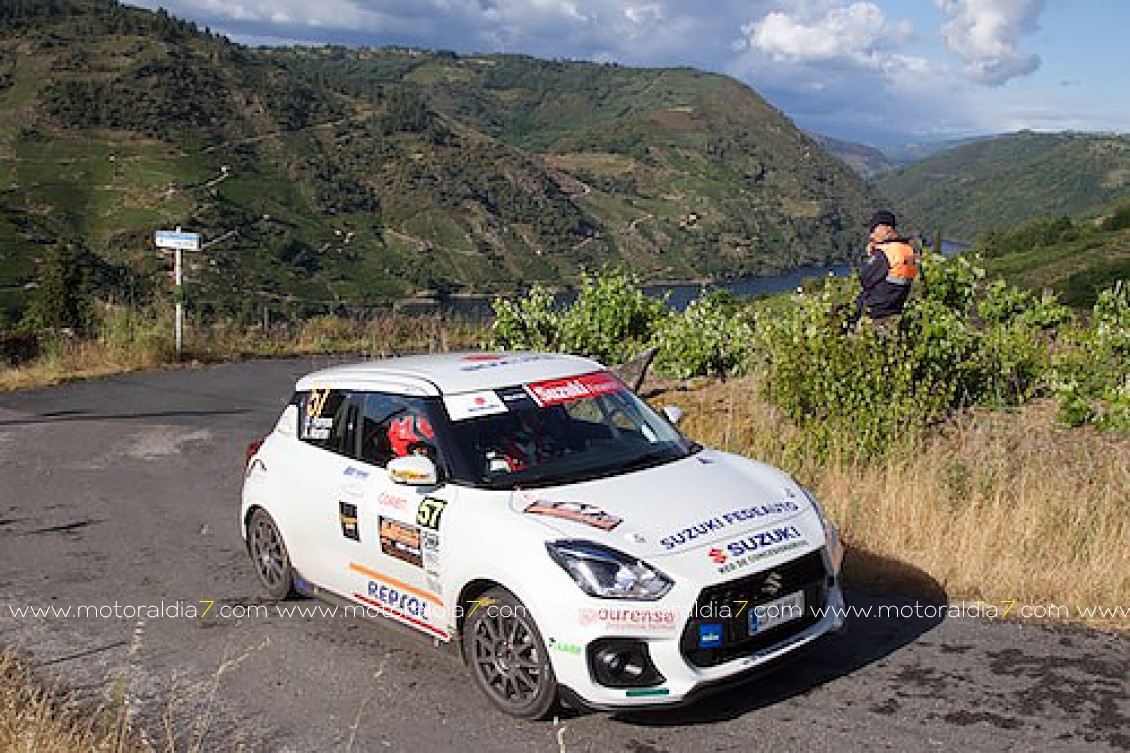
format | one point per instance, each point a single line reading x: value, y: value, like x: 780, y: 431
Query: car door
x: 393, y: 562
x: 323, y: 484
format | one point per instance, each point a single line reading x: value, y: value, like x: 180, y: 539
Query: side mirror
x: 413, y: 470
x: 673, y: 413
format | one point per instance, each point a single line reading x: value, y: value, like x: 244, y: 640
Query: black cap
x: 882, y: 217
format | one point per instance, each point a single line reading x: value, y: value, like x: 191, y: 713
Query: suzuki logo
x: 717, y: 555
x: 772, y: 584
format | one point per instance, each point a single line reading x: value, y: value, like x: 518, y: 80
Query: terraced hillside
x: 342, y: 178
x: 1008, y: 180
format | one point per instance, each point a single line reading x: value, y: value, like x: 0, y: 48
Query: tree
x: 58, y: 301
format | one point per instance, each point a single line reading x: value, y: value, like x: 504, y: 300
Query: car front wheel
x: 507, y: 656
x: 268, y: 552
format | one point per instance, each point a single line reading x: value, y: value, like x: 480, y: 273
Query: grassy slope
x: 1074, y: 258
x: 1076, y: 270
x: 637, y: 150
x: 1013, y: 179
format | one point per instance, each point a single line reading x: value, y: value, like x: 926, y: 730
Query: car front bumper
x: 685, y: 671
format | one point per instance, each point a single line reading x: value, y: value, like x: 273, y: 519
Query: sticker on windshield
x: 473, y: 405
x: 580, y: 512
x: 570, y: 389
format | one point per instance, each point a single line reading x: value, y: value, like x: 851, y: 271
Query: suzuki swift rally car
x: 533, y: 512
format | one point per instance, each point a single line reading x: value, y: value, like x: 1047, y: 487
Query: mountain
x: 869, y: 162
x: 330, y: 177
x: 1009, y: 180
x: 905, y: 154
x: 874, y: 162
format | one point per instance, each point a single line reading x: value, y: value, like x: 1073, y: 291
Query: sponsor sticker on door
x: 401, y: 541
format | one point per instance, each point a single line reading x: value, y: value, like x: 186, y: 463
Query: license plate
x: 777, y: 612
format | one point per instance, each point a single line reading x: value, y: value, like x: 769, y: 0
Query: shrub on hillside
x: 1091, y: 377
x: 612, y: 320
x: 527, y: 323
x: 711, y: 338
x: 864, y: 390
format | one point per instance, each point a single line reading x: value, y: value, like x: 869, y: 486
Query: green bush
x: 950, y: 282
x: 1091, y: 376
x: 711, y: 338
x: 528, y: 323
x: 612, y: 320
x: 858, y: 388
x: 1002, y: 304
x: 861, y: 390
x: 59, y: 301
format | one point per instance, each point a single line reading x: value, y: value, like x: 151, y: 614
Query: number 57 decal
x: 429, y: 513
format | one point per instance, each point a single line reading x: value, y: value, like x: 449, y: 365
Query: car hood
x: 670, y: 509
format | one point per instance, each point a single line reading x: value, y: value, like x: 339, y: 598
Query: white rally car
x: 531, y: 509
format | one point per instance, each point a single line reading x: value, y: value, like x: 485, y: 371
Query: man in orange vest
x: 891, y: 267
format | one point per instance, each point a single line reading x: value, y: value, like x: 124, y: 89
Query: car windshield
x: 558, y: 432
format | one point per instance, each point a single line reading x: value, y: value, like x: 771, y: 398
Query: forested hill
x: 1008, y: 180
x: 356, y: 176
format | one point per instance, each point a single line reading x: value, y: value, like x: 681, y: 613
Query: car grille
x: 804, y: 574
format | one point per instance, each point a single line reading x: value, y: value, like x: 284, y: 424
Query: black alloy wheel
x: 507, y: 656
x: 268, y: 553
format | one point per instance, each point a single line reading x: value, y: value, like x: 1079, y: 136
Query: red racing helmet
x: 408, y: 433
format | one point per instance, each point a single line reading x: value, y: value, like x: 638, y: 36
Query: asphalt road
x: 126, y: 490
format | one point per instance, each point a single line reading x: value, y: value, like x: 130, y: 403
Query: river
x: 679, y: 295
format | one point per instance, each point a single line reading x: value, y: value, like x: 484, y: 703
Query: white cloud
x: 281, y: 13
x: 987, y: 35
x: 859, y: 34
x: 845, y: 69
x: 643, y: 14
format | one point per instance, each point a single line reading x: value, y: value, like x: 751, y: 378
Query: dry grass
x: 33, y: 718
x: 81, y: 359
x: 993, y: 507
x: 126, y: 344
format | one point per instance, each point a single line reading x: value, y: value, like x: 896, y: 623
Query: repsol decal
x: 397, y: 601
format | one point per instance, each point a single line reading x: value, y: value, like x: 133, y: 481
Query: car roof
x: 449, y: 373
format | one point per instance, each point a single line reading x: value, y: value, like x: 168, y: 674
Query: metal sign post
x: 178, y: 242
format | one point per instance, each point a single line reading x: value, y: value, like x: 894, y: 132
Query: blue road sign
x: 174, y: 239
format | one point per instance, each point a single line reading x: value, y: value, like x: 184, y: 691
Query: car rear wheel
x: 268, y: 552
x: 507, y: 656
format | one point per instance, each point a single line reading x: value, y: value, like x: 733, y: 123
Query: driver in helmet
x: 412, y: 434
x: 527, y: 442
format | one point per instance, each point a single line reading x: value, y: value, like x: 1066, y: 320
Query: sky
x: 878, y: 72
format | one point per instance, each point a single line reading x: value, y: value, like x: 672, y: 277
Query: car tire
x: 507, y: 656
x: 268, y: 552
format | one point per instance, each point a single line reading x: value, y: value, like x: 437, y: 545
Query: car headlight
x: 606, y: 573
x: 831, y: 533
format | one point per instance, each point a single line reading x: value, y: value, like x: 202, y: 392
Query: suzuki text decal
x: 755, y: 546
x: 557, y: 391
x: 722, y: 522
